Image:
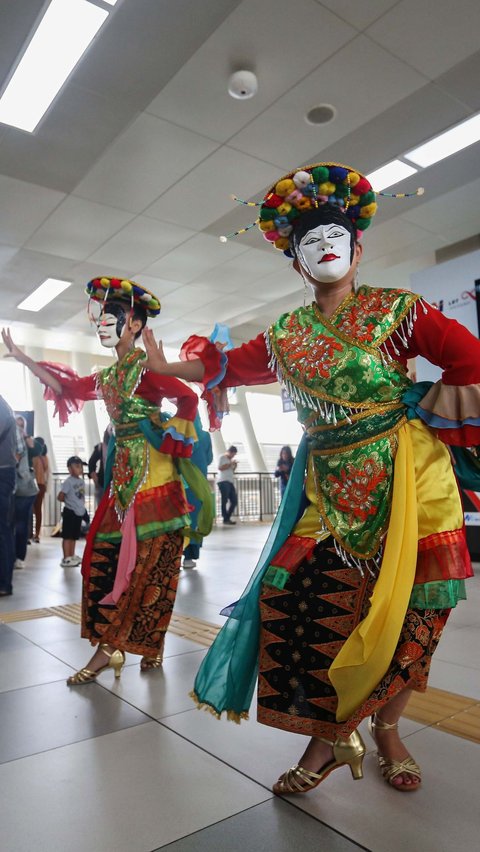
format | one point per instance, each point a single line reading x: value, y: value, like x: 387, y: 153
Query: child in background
x: 73, y: 495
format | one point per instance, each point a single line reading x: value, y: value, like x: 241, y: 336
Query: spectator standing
x: 284, y: 466
x: 8, y: 461
x: 26, y: 489
x: 41, y: 470
x: 73, y: 496
x: 226, y: 483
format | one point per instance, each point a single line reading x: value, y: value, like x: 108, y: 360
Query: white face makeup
x: 107, y: 330
x: 325, y: 252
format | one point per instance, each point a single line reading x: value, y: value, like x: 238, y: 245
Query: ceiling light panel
x: 389, y: 174
x: 60, y: 40
x: 456, y: 139
x: 44, y: 294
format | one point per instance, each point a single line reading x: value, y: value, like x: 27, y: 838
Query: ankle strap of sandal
x: 381, y: 725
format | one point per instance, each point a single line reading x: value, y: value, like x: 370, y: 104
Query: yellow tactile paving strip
x: 446, y: 711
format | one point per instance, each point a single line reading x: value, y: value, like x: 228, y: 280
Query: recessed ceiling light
x: 322, y: 114
x: 389, y: 174
x: 44, y: 294
x: 456, y: 139
x: 61, y: 38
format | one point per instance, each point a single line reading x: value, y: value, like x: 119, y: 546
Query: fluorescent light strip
x: 63, y: 35
x: 389, y: 174
x: 44, y: 294
x: 446, y: 144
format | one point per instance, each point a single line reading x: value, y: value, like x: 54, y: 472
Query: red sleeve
x: 446, y: 343
x: 154, y: 388
x: 452, y: 406
x: 248, y: 365
x: 75, y: 390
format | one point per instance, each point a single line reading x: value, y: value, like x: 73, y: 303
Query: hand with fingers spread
x: 189, y: 371
x: 155, y: 355
x: 13, y: 350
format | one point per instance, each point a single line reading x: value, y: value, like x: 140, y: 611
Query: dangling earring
x: 304, y: 293
x: 356, y: 283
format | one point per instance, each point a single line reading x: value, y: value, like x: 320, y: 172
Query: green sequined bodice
x: 348, y: 392
x: 117, y: 385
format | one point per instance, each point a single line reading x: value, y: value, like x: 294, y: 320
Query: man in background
x: 226, y: 483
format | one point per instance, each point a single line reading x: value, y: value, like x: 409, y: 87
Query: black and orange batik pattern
x: 305, y: 625
x: 139, y: 621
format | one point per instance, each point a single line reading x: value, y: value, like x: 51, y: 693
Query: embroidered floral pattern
x: 313, y: 354
x: 354, y: 493
x: 355, y: 489
x: 372, y: 311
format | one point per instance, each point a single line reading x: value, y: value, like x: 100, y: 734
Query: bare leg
x: 316, y: 755
x: 99, y: 659
x: 68, y: 545
x: 389, y: 744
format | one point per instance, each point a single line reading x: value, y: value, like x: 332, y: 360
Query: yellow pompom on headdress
x: 310, y: 187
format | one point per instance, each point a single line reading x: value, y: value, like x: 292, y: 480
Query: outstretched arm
x: 190, y: 371
x: 15, y: 352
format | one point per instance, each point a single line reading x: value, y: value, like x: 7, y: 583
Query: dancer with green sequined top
x: 131, y: 562
x: 367, y: 555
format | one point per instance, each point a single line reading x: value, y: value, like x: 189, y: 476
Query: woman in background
x: 284, y: 466
x: 41, y: 471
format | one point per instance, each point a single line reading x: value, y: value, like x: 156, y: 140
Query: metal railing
x: 258, y: 497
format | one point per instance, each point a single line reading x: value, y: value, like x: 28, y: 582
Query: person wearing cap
x: 72, y: 495
x: 367, y: 555
x: 132, y: 556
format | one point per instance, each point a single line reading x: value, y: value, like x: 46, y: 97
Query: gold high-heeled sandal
x: 148, y: 663
x: 116, y: 661
x: 349, y: 752
x: 391, y: 769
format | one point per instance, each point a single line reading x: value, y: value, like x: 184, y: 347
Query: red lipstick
x: 328, y: 257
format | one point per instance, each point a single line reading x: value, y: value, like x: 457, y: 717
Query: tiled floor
x: 132, y: 766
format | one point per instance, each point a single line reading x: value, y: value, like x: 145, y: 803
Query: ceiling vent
x: 323, y: 114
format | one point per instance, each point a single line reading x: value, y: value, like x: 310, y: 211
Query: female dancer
x: 132, y: 556
x: 367, y: 554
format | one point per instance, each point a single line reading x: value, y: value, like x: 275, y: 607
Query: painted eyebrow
x: 311, y: 234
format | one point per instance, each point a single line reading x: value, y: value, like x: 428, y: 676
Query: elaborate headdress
x: 122, y: 289
x: 310, y: 187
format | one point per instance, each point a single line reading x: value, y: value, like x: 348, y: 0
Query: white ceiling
x: 131, y: 170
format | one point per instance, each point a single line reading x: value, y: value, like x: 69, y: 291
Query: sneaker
x: 69, y: 562
x: 189, y: 563
x: 19, y: 563
x: 230, y: 523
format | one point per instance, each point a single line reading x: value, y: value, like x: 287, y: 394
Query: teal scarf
x: 227, y: 677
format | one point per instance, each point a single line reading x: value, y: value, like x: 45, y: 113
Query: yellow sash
x: 425, y: 500
x: 367, y: 653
